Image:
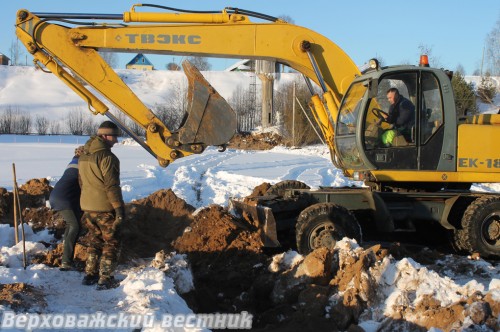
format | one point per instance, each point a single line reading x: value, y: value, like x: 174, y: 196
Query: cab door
x: 431, y: 128
x: 402, y: 153
x: 424, y: 150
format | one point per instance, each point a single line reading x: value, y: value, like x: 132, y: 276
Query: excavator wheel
x: 322, y: 225
x: 481, y: 227
x: 280, y: 187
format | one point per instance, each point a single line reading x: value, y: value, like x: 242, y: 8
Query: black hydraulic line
x: 254, y: 14
x: 231, y: 9
x: 80, y: 16
x: 180, y: 10
x: 90, y: 16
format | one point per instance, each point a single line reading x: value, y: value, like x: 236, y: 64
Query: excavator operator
x: 401, y: 117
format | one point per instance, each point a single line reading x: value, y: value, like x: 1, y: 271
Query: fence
x: 66, y: 139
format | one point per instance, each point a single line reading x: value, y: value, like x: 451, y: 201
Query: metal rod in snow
x: 18, y: 209
x: 16, y: 235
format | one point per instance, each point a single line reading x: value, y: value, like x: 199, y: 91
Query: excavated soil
x: 255, y: 141
x: 233, y: 273
x: 21, y: 297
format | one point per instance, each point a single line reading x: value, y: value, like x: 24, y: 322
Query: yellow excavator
x: 419, y: 180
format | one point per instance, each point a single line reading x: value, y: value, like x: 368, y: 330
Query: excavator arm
x: 210, y: 121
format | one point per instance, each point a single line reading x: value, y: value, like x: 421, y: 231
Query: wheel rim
x: 323, y: 235
x: 490, y: 230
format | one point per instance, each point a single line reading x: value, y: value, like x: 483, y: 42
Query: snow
x: 49, y: 97
x: 218, y: 176
x: 201, y: 180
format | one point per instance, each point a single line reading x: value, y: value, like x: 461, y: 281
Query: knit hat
x: 79, y: 151
x: 108, y: 128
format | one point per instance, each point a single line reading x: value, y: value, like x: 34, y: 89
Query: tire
x: 280, y: 187
x: 481, y: 227
x: 322, y: 225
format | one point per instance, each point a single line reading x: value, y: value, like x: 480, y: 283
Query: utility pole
x: 265, y: 70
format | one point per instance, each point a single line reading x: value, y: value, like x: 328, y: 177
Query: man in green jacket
x: 102, y: 203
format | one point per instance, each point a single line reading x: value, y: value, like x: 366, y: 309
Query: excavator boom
x: 72, y: 54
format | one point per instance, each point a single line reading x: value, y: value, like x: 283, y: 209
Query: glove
x: 119, y: 217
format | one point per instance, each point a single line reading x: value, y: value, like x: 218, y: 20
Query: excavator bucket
x: 210, y: 119
x: 259, y: 216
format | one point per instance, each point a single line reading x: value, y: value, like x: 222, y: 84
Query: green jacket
x: 99, y: 173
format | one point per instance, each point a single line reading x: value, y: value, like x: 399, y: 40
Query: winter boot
x: 90, y: 279
x: 65, y: 266
x: 107, y: 283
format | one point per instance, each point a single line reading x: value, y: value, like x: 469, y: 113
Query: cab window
x: 432, y: 107
x: 350, y: 109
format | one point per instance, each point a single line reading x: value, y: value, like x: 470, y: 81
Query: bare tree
x: 16, y: 53
x: 41, y: 125
x: 486, y: 91
x: 173, y: 66
x: 122, y: 118
x: 80, y: 122
x: 174, y: 110
x: 135, y: 127
x: 297, y: 125
x: 55, y: 128
x: 22, y: 124
x: 111, y: 58
x: 460, y: 69
x: 200, y: 62
x: 89, y: 127
x: 15, y: 121
x: 243, y: 103
x: 492, y: 51
x: 7, y: 119
x: 75, y: 121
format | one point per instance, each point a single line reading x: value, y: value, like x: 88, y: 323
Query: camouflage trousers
x: 104, y: 246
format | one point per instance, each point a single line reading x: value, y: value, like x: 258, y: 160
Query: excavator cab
x: 361, y: 124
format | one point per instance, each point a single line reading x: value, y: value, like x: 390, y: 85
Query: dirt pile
x: 21, y: 297
x: 215, y: 230
x: 152, y: 223
x: 255, y: 141
x: 32, y: 194
x: 226, y: 257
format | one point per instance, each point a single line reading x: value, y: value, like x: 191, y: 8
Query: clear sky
x: 455, y: 30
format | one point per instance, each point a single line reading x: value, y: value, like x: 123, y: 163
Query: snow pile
x: 142, y: 290
x: 383, y: 293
